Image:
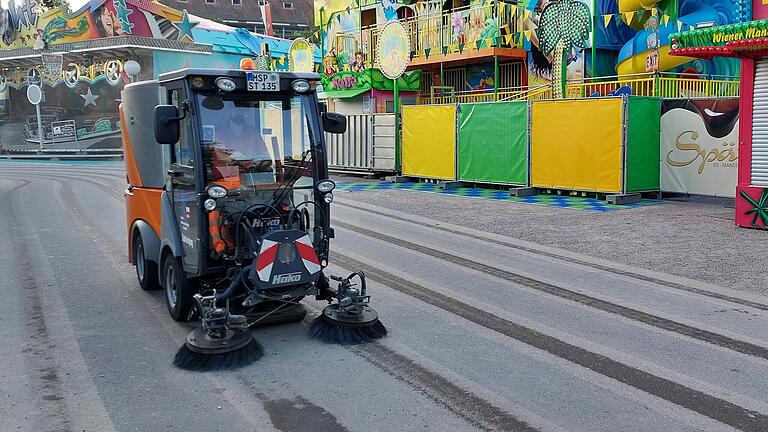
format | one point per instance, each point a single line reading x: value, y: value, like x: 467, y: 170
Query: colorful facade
x: 467, y: 47
x: 747, y: 42
x: 79, y: 59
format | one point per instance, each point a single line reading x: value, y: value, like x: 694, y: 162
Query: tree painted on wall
x: 563, y: 25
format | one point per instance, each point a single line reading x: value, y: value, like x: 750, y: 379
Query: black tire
x: 146, y: 270
x: 178, y: 289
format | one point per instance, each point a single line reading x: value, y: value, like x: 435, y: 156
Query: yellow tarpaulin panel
x: 429, y: 141
x: 576, y: 144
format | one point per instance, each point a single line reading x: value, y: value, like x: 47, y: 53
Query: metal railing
x: 460, y: 26
x: 665, y: 85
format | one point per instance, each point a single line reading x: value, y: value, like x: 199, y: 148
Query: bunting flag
x: 679, y: 25
x: 666, y: 20
x: 528, y: 34
x: 478, y: 44
x: 607, y: 20
x: 629, y: 17
x: 505, y: 27
x: 508, y: 39
x: 654, y: 12
x: 461, y: 48
x: 513, y: 9
x: 489, y: 42
x: 426, y: 52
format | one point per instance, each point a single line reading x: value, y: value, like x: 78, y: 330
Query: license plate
x: 263, y: 81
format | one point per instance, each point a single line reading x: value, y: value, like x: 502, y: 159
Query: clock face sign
x: 393, y: 49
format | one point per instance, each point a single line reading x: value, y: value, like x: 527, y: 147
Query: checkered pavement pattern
x: 562, y: 201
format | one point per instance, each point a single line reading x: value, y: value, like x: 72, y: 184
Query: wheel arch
x: 149, y: 238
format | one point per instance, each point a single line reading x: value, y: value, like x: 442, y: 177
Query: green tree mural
x: 563, y: 25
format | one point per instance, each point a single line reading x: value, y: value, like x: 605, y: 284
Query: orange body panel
x: 142, y: 204
x: 131, y: 170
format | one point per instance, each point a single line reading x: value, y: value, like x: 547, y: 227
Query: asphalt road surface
x: 486, y: 333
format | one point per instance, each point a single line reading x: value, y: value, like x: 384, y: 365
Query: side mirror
x: 166, y: 124
x: 334, y: 123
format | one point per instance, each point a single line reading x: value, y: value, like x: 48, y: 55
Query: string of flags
x: 629, y: 18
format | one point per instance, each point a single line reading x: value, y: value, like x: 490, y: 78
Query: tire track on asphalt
x: 554, y: 290
x: 464, y: 404
x: 668, y: 284
x: 694, y: 400
x: 45, y: 373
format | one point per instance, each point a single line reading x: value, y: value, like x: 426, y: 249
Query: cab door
x: 183, y: 179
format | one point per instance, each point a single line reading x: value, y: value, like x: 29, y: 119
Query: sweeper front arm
x: 228, y: 206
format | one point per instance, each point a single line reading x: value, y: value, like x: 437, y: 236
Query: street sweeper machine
x: 228, y: 208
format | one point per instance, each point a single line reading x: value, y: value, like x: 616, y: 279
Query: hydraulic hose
x: 236, y: 281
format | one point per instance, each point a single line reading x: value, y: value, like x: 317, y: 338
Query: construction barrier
x: 429, y: 141
x: 493, y: 143
x: 581, y: 144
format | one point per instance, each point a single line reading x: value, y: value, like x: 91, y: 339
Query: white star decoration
x: 90, y: 98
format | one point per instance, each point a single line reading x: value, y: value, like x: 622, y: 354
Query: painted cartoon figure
x: 107, y: 22
x: 329, y: 66
x: 358, y: 65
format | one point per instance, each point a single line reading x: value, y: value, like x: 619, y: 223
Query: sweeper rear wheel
x: 146, y: 270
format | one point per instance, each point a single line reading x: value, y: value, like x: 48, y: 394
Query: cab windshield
x: 256, y: 144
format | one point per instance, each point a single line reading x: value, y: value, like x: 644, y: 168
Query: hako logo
x: 286, y: 278
x: 690, y: 151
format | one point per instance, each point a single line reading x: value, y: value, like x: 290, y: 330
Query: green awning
x: 344, y: 94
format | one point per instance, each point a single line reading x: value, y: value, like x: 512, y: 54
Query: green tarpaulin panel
x: 493, y: 142
x: 643, y: 135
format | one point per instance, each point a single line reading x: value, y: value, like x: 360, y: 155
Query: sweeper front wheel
x: 178, y: 289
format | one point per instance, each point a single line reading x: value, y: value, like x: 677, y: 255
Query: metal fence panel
x: 368, y: 144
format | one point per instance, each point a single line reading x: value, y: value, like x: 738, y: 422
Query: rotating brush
x: 187, y: 359
x: 226, y: 348
x: 350, y: 320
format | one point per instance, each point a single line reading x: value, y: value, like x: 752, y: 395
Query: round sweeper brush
x: 335, y: 326
x: 201, y: 352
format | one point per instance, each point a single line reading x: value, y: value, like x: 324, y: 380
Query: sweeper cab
x: 228, y: 208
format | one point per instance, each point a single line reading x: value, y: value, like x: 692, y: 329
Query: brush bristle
x: 189, y: 360
x: 329, y: 332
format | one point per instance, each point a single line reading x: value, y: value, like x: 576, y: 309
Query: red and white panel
x: 266, y: 259
x: 308, y: 255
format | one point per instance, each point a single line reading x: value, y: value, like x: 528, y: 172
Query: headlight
x: 217, y: 191
x: 210, y: 204
x: 300, y: 85
x: 225, y: 84
x: 328, y: 198
x: 325, y: 186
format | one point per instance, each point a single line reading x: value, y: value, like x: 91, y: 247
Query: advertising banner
x: 699, y: 146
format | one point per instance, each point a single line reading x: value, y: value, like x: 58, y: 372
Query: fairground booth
x: 84, y: 58
x: 747, y: 41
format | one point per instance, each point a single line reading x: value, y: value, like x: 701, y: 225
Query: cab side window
x: 183, y: 150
